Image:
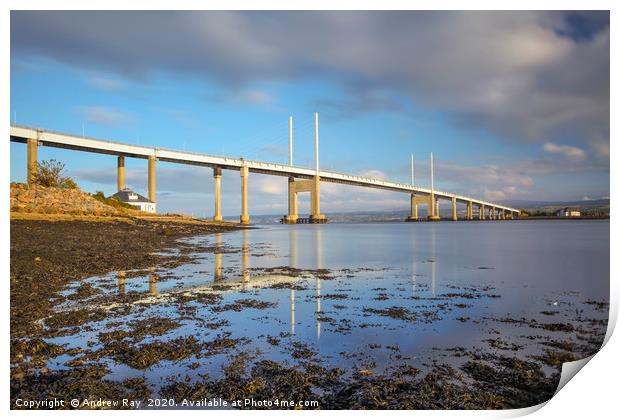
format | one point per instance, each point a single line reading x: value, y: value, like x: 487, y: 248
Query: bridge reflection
x: 245, y: 279
x: 416, y: 257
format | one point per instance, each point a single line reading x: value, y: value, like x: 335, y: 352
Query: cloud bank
x: 526, y: 76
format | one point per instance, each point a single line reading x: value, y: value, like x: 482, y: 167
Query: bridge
x: 300, y: 179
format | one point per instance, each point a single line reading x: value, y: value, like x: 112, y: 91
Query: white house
x: 567, y: 212
x: 131, y: 197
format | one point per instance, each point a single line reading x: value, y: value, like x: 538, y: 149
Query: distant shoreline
x: 368, y: 221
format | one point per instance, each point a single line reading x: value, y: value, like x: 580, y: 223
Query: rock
x: 37, y: 199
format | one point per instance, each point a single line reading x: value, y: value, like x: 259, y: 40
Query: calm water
x: 453, y: 280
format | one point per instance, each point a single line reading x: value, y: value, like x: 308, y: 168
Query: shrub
x: 50, y: 173
x: 112, y: 201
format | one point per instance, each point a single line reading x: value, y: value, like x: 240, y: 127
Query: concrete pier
x: 470, y: 210
x: 307, y: 185
x: 481, y: 212
x: 413, y: 214
x: 31, y: 161
x: 217, y: 177
x: 315, y: 199
x: 152, y: 193
x: 292, y: 216
x: 245, y: 217
x: 433, y: 213
x: 454, y: 216
x: 120, y: 173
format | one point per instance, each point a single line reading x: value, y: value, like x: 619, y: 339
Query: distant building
x: 131, y: 197
x: 568, y: 212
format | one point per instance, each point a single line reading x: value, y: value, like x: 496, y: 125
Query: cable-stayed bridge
x: 300, y: 179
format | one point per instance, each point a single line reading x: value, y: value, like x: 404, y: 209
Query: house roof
x: 129, y: 196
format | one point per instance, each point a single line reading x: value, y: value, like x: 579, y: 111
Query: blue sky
x: 514, y: 105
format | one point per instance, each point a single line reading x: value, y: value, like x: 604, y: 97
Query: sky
x: 514, y: 105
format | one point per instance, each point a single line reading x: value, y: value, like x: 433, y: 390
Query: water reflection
x: 245, y: 257
x: 388, y: 257
x: 152, y: 281
x: 433, y: 261
x: 292, y: 239
x: 292, y: 245
x: 293, y: 311
x: 413, y: 265
x: 121, y: 282
x: 217, y: 273
x: 319, y: 265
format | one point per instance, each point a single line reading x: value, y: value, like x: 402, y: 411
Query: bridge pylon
x: 307, y: 185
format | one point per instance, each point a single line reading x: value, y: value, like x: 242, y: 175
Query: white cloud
x: 271, y: 185
x: 253, y: 97
x: 601, y: 149
x: 103, y: 115
x: 106, y: 83
x: 568, y: 151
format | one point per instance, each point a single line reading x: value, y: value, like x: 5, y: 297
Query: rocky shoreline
x: 47, y: 257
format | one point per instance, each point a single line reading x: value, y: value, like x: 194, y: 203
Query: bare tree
x: 50, y: 173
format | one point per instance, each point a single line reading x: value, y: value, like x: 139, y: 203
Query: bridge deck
x: 68, y: 141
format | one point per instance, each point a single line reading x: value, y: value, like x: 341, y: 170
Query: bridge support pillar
x: 433, y: 208
x: 493, y: 213
x: 120, y: 173
x: 245, y: 217
x: 503, y: 214
x: 413, y: 214
x: 307, y: 185
x: 454, y: 216
x: 152, y: 193
x: 416, y: 200
x: 217, y: 176
x: 470, y: 211
x: 292, y: 216
x: 315, y: 200
x: 31, y: 161
x: 481, y: 212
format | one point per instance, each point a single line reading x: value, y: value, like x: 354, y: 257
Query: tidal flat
x: 467, y: 315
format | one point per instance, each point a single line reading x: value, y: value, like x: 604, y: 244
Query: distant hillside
x: 534, y: 204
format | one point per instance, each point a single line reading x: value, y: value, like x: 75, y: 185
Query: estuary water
x: 360, y: 297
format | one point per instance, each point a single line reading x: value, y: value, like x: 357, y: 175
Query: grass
x: 112, y: 201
